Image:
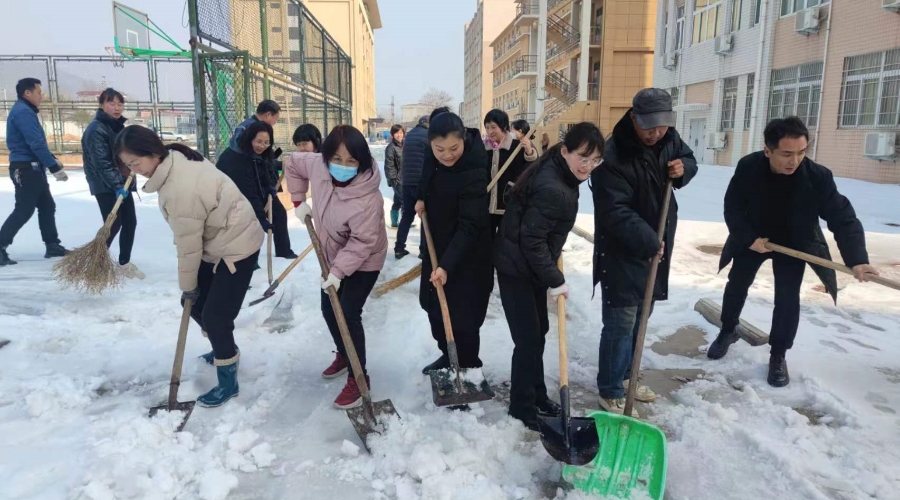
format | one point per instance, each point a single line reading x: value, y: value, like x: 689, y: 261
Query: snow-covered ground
x: 81, y: 371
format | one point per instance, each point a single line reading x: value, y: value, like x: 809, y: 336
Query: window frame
x: 748, y: 100
x: 786, y: 93
x: 702, y: 24
x: 876, y: 79
x: 729, y: 104
x: 736, y: 7
x: 791, y: 7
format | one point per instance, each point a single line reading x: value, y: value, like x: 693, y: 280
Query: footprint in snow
x: 836, y: 347
x: 817, y: 322
x: 861, y: 344
x: 876, y: 400
x: 842, y: 328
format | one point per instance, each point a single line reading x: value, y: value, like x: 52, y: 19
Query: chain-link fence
x: 267, y: 49
x: 158, y: 94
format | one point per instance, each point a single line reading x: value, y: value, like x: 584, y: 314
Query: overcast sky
x: 420, y: 45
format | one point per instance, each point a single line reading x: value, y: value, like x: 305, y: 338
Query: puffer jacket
x: 210, y: 218
x: 253, y: 175
x: 349, y: 220
x: 97, y: 144
x: 415, y: 147
x: 393, y: 158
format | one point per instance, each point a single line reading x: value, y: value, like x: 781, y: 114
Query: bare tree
x: 435, y: 98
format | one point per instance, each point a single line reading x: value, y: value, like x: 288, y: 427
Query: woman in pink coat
x: 348, y: 212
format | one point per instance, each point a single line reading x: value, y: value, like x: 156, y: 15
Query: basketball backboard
x: 130, y: 28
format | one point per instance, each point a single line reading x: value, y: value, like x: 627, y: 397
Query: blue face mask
x: 342, y: 173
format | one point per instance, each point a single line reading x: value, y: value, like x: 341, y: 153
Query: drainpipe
x: 584, y: 62
x: 758, y: 77
x: 539, y: 90
x: 815, y: 146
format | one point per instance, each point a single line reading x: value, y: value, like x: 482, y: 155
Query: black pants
x: 280, y: 229
x: 398, y: 198
x: 354, y: 291
x: 525, y: 306
x: 221, y: 296
x: 495, y: 225
x: 410, y: 193
x: 126, y: 220
x: 788, y: 279
x: 32, y: 193
x: 468, y: 342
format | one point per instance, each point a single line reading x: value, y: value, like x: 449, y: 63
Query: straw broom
x: 415, y: 272
x: 90, y: 268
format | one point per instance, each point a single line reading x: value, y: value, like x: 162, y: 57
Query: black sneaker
x: 528, y: 419
x: 55, y: 250
x: 719, y: 347
x: 289, y: 255
x: 548, y: 407
x: 399, y: 254
x: 439, y: 364
x: 4, y: 258
x: 778, y: 371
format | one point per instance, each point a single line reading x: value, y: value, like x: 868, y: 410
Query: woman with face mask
x: 453, y: 194
x: 217, y: 239
x: 348, y: 211
x: 500, y: 145
x: 540, y: 212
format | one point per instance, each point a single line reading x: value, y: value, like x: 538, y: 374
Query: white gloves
x: 331, y: 281
x: 560, y: 290
x: 61, y: 176
x: 302, y: 211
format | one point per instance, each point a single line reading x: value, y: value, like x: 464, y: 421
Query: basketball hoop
x: 117, y: 60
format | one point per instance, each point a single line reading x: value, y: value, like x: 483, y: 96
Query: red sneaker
x: 349, y: 396
x: 338, y: 367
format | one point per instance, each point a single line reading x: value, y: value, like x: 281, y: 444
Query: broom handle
x: 513, y: 155
x: 812, y: 259
x: 179, y: 354
x: 269, y: 237
x: 111, y: 218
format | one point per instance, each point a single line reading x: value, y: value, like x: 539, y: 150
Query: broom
x: 90, y: 268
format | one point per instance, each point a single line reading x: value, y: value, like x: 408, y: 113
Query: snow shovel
x: 3, y: 343
x: 453, y: 386
x: 570, y: 440
x: 172, y: 404
x: 269, y: 237
x: 370, y: 417
x: 270, y: 292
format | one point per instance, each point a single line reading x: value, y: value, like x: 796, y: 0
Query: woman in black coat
x: 540, y: 212
x: 453, y: 194
x: 252, y: 168
x: 105, y: 180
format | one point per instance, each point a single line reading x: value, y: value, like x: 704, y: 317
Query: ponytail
x: 188, y: 152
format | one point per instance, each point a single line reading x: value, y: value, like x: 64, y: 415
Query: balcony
x: 501, y: 50
x: 596, y: 35
x: 524, y: 65
x: 526, y: 12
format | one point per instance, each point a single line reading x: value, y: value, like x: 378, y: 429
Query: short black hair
x: 587, y: 135
x: 521, y: 126
x: 354, y: 141
x: 111, y: 94
x: 779, y: 128
x: 437, y: 111
x: 499, y: 118
x: 395, y: 129
x: 247, y: 137
x: 446, y: 124
x: 26, y: 84
x: 308, y: 133
x: 268, y: 106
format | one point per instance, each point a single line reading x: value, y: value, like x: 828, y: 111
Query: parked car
x: 171, y: 136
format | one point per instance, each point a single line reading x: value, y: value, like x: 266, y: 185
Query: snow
x: 81, y: 372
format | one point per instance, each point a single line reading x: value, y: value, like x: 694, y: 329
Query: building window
x: 729, y: 103
x: 679, y: 27
x: 708, y: 16
x: 277, y: 53
x: 276, y: 29
x: 797, y: 91
x: 756, y: 9
x: 748, y: 101
x: 275, y: 5
x: 870, y: 92
x: 674, y: 93
x: 789, y: 7
x: 736, y: 15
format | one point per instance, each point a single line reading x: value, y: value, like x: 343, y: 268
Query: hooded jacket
x: 349, y: 220
x: 98, y: 144
x: 210, y: 218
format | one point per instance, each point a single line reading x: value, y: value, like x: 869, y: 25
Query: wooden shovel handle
x: 812, y: 259
x: 111, y: 218
x: 269, y: 238
x: 294, y: 263
x: 442, y: 297
x: 179, y: 354
x: 513, y: 155
x: 561, y: 322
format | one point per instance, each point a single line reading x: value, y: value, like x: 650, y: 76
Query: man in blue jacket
x: 29, y: 159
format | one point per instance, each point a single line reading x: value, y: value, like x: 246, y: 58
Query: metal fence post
x: 264, y: 34
x: 199, y: 80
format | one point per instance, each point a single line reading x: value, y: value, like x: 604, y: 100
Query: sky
x: 419, y: 46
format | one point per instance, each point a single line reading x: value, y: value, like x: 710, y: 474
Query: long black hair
x: 582, y: 135
x: 246, y: 142
x: 143, y: 142
x: 445, y: 124
x: 354, y: 141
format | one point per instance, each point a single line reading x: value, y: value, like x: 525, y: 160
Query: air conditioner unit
x: 670, y: 60
x: 807, y: 21
x: 724, y: 44
x: 891, y: 5
x: 716, y: 140
x: 881, y: 145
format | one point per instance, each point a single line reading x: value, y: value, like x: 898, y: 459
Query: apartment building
x: 735, y: 64
x: 491, y: 17
x: 567, y: 61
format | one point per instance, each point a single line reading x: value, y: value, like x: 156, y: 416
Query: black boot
x: 4, y: 258
x: 55, y: 250
x: 778, y: 371
x: 399, y: 254
x: 439, y: 364
x: 548, y: 407
x: 719, y: 347
x: 528, y: 418
x: 287, y: 255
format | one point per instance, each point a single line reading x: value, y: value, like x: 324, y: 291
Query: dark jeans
x: 221, y: 296
x: 126, y: 220
x: 354, y: 291
x: 398, y: 198
x: 280, y: 229
x: 788, y: 279
x: 468, y: 342
x: 525, y: 306
x: 410, y: 193
x: 617, y: 343
x: 32, y: 193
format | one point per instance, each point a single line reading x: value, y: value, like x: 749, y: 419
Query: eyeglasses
x: 588, y: 162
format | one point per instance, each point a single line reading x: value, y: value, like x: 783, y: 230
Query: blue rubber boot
x: 209, y: 357
x: 226, y: 372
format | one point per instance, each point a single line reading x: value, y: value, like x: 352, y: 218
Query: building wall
x: 490, y: 19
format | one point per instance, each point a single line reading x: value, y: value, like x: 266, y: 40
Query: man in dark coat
x: 393, y: 158
x: 778, y: 195
x: 415, y: 148
x: 644, y: 152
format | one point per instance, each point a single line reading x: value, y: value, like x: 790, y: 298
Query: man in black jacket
x: 644, y: 151
x: 778, y: 195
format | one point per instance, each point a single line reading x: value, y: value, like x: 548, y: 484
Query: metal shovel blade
x: 279, y: 321
x: 187, y: 407
x: 3, y: 342
x: 447, y: 390
x: 569, y: 440
x: 365, y: 423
